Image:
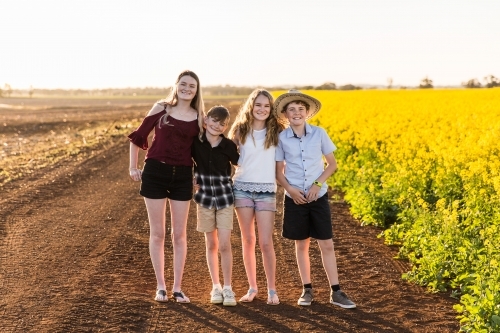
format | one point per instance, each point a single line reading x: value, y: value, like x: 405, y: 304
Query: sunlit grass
x: 22, y: 156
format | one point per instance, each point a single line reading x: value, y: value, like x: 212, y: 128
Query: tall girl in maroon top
x: 176, y: 121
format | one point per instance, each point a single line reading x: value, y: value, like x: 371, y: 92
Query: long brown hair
x: 242, y: 126
x: 196, y: 103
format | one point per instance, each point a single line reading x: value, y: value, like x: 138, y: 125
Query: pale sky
x: 106, y: 43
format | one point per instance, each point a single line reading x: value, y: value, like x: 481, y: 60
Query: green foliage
x: 426, y: 166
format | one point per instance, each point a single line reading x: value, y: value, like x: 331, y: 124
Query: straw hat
x: 295, y: 95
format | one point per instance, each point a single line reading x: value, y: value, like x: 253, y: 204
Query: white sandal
x: 247, y: 298
x: 271, y: 294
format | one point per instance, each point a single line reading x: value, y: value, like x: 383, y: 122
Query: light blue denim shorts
x: 260, y: 201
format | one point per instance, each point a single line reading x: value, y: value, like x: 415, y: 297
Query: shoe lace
x: 306, y: 292
x: 343, y: 297
x: 227, y: 293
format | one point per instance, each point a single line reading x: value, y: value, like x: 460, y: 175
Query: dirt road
x: 74, y: 258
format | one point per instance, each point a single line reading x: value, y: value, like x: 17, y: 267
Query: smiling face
x: 215, y: 127
x: 296, y: 113
x: 261, y: 108
x: 186, y: 88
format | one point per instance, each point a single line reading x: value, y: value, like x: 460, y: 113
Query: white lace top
x: 256, y: 171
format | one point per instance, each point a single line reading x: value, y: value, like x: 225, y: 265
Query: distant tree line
x: 490, y: 82
x: 231, y: 90
x: 7, y: 90
x: 220, y: 90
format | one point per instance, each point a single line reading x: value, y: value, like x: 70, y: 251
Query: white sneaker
x: 229, y: 299
x: 216, y: 296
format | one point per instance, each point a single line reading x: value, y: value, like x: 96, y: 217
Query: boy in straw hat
x: 300, y: 170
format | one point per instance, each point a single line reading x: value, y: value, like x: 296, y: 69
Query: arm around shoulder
x: 157, y: 108
x: 235, y: 156
x: 234, y: 135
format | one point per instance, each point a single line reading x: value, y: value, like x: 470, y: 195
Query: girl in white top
x: 255, y: 131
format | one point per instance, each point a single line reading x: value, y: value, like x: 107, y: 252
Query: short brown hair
x: 306, y: 105
x: 219, y: 113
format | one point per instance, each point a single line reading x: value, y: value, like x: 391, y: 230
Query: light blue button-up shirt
x: 304, y: 156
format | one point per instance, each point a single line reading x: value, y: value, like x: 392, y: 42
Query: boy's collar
x: 291, y: 133
x: 221, y: 144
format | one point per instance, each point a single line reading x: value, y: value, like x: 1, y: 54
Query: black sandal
x: 180, y: 297
x: 161, y: 296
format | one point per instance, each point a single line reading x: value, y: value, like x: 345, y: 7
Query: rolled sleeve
x: 327, y: 145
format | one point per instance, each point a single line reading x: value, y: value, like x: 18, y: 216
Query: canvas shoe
x: 216, y: 296
x: 229, y: 299
x: 306, y: 298
x: 340, y: 298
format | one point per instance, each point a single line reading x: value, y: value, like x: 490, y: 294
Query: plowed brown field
x: 74, y: 253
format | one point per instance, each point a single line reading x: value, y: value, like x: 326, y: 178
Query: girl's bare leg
x: 265, y: 225
x: 179, y: 214
x: 156, y: 216
x: 247, y: 226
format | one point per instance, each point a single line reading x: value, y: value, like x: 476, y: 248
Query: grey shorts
x: 260, y: 201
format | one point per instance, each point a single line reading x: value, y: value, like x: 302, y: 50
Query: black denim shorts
x: 312, y: 219
x: 160, y: 181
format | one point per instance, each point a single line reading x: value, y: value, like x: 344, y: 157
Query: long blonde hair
x: 242, y: 126
x: 196, y: 103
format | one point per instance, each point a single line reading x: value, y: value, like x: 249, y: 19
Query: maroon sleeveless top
x: 171, y: 142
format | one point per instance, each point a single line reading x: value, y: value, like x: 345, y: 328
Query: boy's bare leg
x: 247, y: 227
x: 265, y: 225
x: 226, y: 255
x: 329, y: 260
x: 303, y: 261
x: 156, y: 215
x: 212, y: 249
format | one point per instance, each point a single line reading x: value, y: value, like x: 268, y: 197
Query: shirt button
x: 302, y: 149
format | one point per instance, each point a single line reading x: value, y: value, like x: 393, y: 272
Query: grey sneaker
x: 216, y: 296
x: 306, y: 298
x: 340, y: 298
x: 229, y: 299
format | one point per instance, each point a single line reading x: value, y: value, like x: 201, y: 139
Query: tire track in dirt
x: 55, y: 269
x: 74, y: 257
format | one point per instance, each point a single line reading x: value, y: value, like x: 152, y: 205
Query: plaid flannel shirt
x: 212, y: 169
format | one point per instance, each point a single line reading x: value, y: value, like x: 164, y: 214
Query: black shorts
x: 312, y: 219
x: 160, y: 181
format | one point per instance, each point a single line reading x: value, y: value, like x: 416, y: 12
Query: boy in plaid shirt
x: 213, y: 158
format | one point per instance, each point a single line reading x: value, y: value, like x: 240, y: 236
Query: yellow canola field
x: 425, y: 165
